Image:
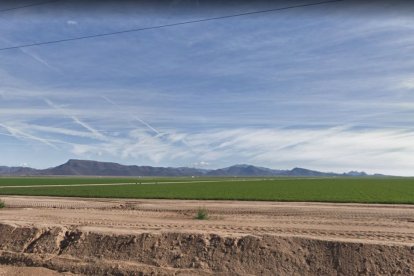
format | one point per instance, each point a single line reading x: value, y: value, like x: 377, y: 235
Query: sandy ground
x: 375, y: 224
x: 357, y: 222
x: 28, y: 271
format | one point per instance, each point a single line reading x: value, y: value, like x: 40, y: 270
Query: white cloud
x: 201, y: 164
x: 407, y: 83
x: 72, y: 22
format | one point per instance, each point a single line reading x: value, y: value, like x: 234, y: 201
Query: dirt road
x: 375, y: 224
x: 365, y: 222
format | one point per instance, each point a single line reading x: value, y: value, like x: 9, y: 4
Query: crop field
x: 33, y: 181
x: 358, y: 190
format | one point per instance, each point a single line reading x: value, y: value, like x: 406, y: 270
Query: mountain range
x: 75, y: 167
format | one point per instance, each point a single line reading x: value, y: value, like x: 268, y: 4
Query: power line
x: 167, y: 25
x: 29, y: 5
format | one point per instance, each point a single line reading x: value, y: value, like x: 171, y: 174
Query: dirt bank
x: 71, y: 250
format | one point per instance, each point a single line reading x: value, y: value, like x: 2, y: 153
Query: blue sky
x: 328, y: 88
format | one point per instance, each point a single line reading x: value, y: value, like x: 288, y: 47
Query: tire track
x: 328, y: 221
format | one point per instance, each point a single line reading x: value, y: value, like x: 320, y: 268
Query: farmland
x: 356, y: 190
x: 120, y: 227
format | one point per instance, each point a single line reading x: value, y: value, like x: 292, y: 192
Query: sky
x: 327, y: 87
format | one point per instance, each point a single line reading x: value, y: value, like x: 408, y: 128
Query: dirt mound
x: 71, y: 250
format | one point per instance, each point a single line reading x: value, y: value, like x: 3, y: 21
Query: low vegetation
x: 2, y: 204
x: 361, y: 190
x: 202, y: 214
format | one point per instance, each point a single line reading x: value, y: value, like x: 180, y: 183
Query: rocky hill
x: 96, y: 168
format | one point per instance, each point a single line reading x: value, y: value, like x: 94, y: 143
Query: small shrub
x: 2, y: 204
x: 202, y: 214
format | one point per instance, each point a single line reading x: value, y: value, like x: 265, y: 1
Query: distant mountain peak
x: 241, y: 166
x: 356, y: 173
x: 98, y: 168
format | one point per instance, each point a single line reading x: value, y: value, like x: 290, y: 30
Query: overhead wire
x: 28, y: 5
x: 167, y: 25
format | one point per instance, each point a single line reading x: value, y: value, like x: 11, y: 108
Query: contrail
x: 17, y: 133
x: 34, y: 56
x: 330, y: 131
x: 39, y: 59
x: 134, y: 117
x: 148, y: 125
x: 158, y: 133
x: 96, y: 133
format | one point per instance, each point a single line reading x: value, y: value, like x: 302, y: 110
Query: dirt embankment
x: 70, y: 250
x: 46, y: 236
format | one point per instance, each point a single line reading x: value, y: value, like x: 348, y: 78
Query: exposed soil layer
x: 6, y: 270
x: 119, y: 237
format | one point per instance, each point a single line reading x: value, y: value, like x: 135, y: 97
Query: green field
x: 25, y: 181
x: 362, y: 190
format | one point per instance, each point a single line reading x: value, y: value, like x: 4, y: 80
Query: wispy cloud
x: 134, y: 117
x: 64, y: 131
x: 407, y: 83
x: 93, y: 131
x: 337, y: 149
x: 72, y: 22
x: 201, y: 164
x: 19, y: 134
